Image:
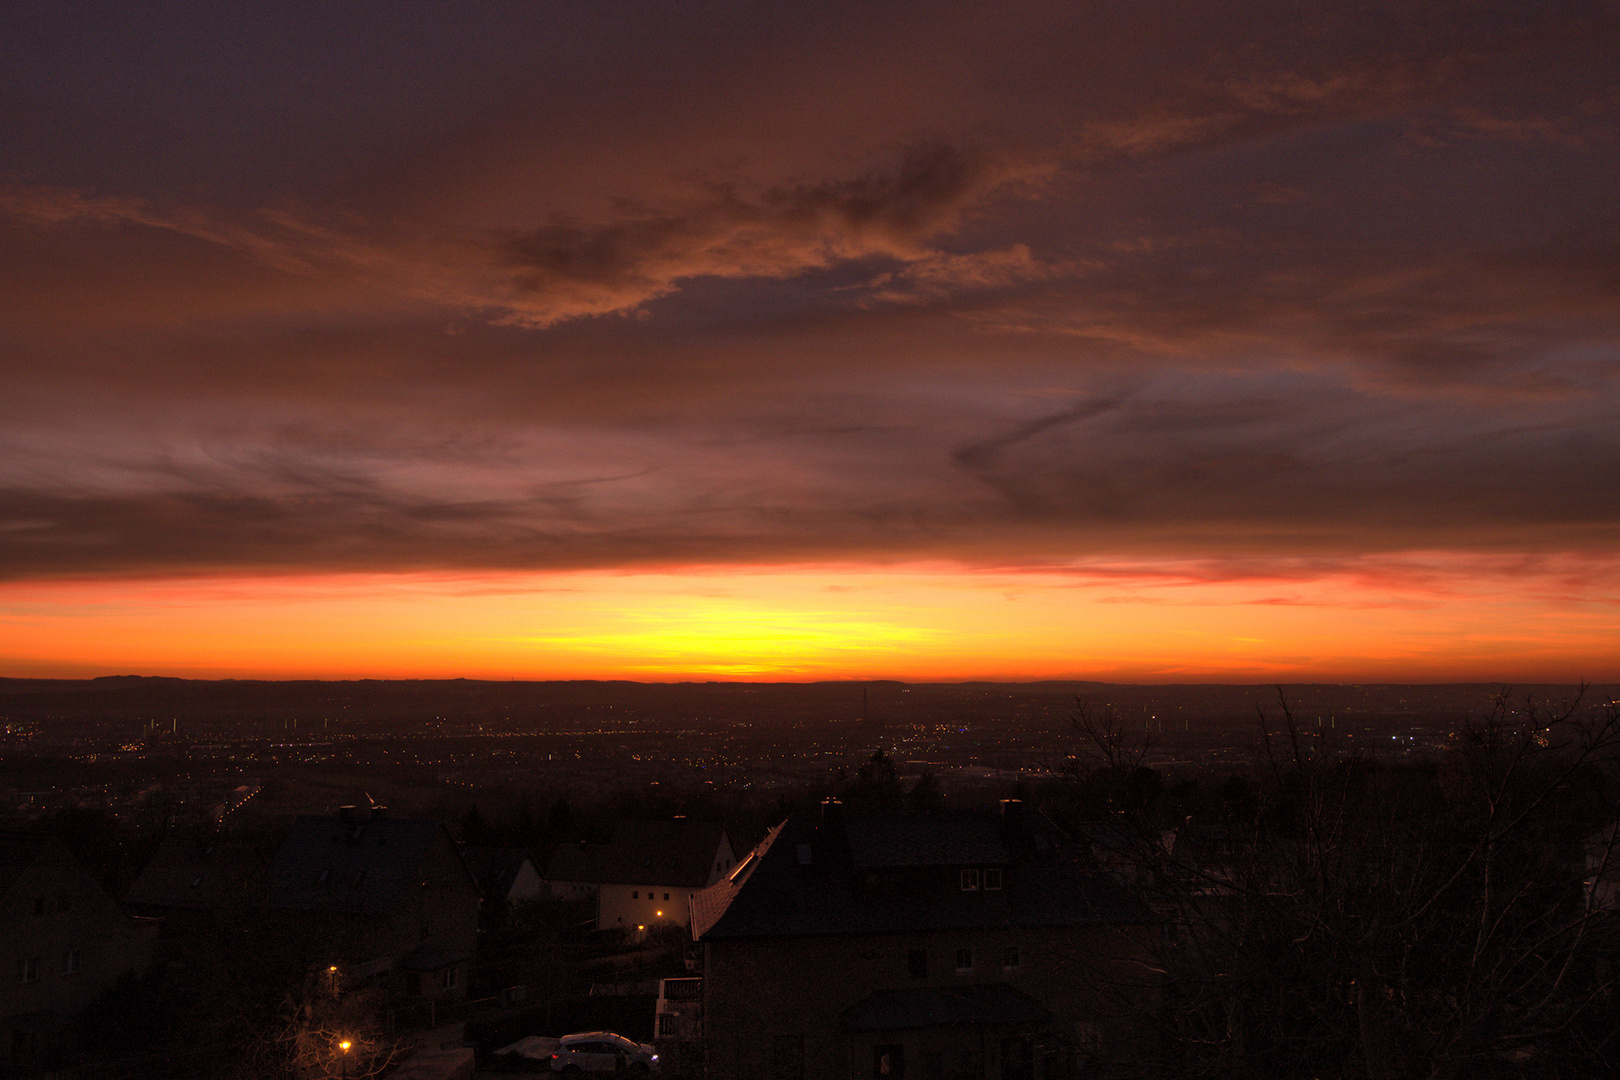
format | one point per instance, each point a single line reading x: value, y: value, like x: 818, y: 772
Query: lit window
x: 970, y: 880
x: 964, y: 961
x: 992, y: 878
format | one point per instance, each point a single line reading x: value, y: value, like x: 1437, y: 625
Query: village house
x: 925, y: 945
x: 189, y: 875
x: 390, y: 899
x: 644, y: 875
x: 68, y: 942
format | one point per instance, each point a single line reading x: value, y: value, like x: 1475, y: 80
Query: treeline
x: 1331, y: 916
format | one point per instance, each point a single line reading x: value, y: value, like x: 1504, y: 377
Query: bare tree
x: 1385, y: 921
x: 325, y: 1033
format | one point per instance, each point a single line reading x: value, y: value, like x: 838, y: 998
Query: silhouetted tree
x: 1347, y: 919
x: 926, y: 793
x: 877, y: 784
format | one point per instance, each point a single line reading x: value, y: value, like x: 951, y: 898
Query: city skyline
x: 1191, y: 342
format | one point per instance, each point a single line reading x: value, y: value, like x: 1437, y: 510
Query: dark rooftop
x: 676, y: 853
x: 806, y: 881
x: 362, y: 866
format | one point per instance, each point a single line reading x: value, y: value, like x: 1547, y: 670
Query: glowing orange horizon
x: 1417, y: 617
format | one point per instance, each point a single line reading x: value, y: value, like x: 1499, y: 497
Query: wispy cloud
x: 571, y: 268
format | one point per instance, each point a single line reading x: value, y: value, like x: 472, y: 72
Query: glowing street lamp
x: 344, y: 1046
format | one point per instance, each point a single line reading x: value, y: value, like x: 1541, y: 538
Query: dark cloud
x: 582, y: 285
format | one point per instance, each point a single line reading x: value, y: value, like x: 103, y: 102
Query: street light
x: 344, y: 1046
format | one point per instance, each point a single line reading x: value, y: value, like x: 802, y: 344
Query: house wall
x: 771, y: 996
x: 571, y: 890
x: 526, y: 885
x: 52, y: 909
x: 624, y: 907
x: 725, y: 859
x: 449, y: 900
x: 438, y: 916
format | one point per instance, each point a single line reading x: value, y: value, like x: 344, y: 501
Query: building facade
x: 927, y: 946
x: 643, y: 877
x: 389, y: 899
x: 68, y: 941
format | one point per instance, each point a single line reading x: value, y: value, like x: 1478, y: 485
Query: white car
x: 602, y: 1051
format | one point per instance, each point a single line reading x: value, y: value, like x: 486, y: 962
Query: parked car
x: 602, y: 1051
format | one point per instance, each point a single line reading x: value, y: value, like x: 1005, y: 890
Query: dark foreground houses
x: 935, y: 945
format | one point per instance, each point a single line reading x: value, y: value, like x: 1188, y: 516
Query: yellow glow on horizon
x: 1414, y: 617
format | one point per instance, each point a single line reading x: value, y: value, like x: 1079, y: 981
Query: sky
x: 1149, y: 342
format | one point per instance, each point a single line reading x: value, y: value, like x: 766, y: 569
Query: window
x: 970, y: 880
x: 72, y: 961
x: 28, y: 969
x: 63, y: 902
x: 449, y: 978
x: 635, y: 895
x: 992, y: 878
x: 917, y: 963
x: 888, y: 1061
x: 39, y: 905
x: 666, y: 896
x: 1010, y: 959
x: 964, y: 961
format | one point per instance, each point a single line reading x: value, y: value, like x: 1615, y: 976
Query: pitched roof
x: 808, y: 882
x: 195, y: 874
x: 709, y: 904
x: 366, y: 866
x: 677, y: 853
x: 893, y: 840
x: 18, y: 852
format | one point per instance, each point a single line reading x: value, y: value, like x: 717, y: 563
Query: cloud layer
x: 599, y: 286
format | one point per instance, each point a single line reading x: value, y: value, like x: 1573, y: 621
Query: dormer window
x: 970, y: 881
x: 992, y: 878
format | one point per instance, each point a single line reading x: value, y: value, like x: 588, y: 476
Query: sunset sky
x: 1147, y: 342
